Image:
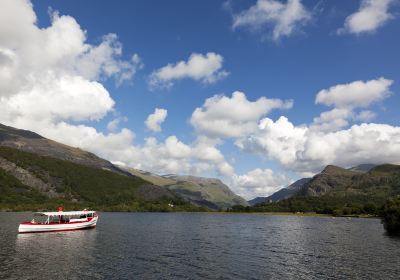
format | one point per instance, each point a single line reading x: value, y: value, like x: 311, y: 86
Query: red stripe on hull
x: 58, y: 230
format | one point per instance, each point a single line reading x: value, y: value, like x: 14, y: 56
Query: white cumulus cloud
x: 346, y: 99
x: 355, y: 94
x: 224, y: 117
x: 371, y: 15
x: 206, y: 68
x: 258, y: 182
x: 154, y: 120
x: 330, y: 138
x: 301, y: 149
x: 282, y: 18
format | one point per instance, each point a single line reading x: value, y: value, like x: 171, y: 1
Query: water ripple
x: 202, y: 246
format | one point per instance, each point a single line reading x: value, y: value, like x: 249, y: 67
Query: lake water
x: 202, y: 246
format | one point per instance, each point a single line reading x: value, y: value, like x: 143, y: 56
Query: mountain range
x: 300, y: 186
x: 38, y: 172
x: 357, y: 189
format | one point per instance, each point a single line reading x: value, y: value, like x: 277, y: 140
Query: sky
x: 256, y: 93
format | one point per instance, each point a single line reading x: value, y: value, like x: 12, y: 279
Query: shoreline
x: 364, y: 216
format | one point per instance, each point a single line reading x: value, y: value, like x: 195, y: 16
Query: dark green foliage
x: 13, y: 191
x: 91, y: 187
x: 327, y: 204
x: 391, y: 216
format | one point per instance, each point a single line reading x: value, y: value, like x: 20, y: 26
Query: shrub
x: 391, y: 216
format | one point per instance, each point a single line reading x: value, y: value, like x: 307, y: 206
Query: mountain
x: 205, y: 192
x: 341, y: 191
x: 37, y: 173
x: 295, y: 188
x: 29, y: 141
x: 331, y: 178
x: 284, y: 193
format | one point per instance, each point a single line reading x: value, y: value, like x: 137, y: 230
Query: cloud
x: 225, y: 169
x: 50, y: 79
x: 332, y: 120
x: 154, y: 121
x: 301, y: 149
x: 224, y: 117
x: 371, y: 15
x: 355, y: 94
x: 282, y: 18
x: 204, y: 68
x: 29, y: 54
x: 365, y: 116
x: 170, y: 156
x: 279, y: 140
x: 57, y: 99
x: 329, y: 139
x: 259, y: 182
x: 346, y: 99
x: 50, y: 83
x: 113, y: 124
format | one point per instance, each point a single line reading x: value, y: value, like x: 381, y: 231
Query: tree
x: 391, y: 216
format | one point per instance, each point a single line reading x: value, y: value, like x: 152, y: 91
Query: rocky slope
x: 29, y: 141
x: 52, y: 170
x: 332, y: 177
x: 29, y: 181
x: 38, y: 172
x: 340, y: 191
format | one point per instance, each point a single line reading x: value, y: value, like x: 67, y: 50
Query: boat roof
x: 65, y: 213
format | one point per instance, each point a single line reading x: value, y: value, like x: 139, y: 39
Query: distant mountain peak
x: 283, y: 193
x: 335, y: 170
x: 202, y: 191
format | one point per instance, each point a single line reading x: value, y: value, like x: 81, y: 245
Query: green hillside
x: 339, y: 191
x: 49, y: 182
x: 203, y: 192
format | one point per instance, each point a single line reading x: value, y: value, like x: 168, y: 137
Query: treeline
x: 389, y: 211
x: 45, y: 204
x: 350, y: 205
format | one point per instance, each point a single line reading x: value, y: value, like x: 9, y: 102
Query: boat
x: 59, y: 221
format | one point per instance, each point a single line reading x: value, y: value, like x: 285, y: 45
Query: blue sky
x: 315, y: 51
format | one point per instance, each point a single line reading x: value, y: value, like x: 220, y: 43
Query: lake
x: 202, y: 246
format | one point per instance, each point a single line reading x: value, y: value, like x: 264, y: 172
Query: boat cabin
x: 61, y: 217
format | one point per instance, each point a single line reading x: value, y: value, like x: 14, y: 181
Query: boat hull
x: 32, y: 227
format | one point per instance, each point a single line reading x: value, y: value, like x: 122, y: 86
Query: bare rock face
x: 29, y: 179
x: 332, y: 177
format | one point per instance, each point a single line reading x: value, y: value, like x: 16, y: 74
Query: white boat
x: 60, y: 221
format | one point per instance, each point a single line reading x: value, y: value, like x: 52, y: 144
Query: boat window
x: 40, y: 219
x: 54, y: 219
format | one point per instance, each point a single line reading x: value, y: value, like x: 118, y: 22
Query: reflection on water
x: 67, y: 253
x: 202, y: 246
